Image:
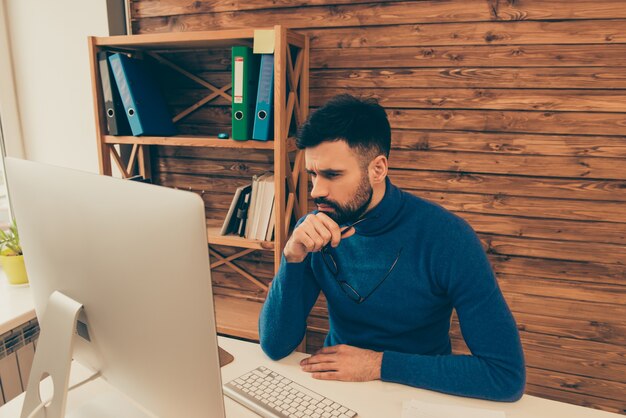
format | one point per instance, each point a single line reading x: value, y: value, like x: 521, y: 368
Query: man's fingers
x: 306, y: 241
x: 318, y: 241
x: 320, y: 367
x: 322, y: 229
x: 319, y: 358
x: 308, y: 234
x: 332, y: 227
x: 317, y: 231
x: 328, y: 350
x: 326, y: 375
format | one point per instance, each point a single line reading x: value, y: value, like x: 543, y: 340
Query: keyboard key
x: 306, y: 391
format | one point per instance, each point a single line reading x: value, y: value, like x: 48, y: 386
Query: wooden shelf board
x: 178, y: 40
x: 190, y: 40
x: 235, y: 241
x: 196, y: 141
x: 237, y: 317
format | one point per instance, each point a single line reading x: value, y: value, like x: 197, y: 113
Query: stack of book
x: 251, y: 212
x: 132, y: 99
x: 253, y: 93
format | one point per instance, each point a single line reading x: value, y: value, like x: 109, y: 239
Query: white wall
x: 9, y: 114
x: 48, y: 41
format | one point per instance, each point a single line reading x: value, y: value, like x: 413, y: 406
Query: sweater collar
x: 382, y: 216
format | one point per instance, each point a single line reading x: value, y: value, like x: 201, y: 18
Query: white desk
x: 16, y: 305
x: 370, y: 400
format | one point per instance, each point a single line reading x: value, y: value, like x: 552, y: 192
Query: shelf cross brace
x: 215, y: 91
x: 294, y: 79
x: 229, y: 262
x: 126, y: 170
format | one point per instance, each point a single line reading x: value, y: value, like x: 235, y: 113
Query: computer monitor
x: 135, y: 256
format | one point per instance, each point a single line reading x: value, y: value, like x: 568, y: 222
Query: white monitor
x: 135, y: 257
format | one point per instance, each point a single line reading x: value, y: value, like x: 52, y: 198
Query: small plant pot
x: 14, y: 268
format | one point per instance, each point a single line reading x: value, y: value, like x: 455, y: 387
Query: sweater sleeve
x: 282, y: 323
x: 495, y: 370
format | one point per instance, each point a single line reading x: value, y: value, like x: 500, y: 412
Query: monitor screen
x: 135, y: 256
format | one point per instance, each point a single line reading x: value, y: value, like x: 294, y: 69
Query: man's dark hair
x: 362, y: 123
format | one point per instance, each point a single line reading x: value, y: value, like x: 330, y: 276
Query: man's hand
x: 344, y: 362
x: 310, y: 236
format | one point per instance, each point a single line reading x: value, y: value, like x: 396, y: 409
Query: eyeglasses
x: 332, y: 265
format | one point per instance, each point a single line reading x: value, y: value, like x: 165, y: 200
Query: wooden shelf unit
x: 235, y: 316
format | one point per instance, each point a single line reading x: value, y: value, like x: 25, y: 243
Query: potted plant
x: 11, y: 257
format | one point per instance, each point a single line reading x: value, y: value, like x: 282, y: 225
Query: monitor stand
x: 53, y: 357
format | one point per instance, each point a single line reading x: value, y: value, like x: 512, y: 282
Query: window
x: 5, y: 216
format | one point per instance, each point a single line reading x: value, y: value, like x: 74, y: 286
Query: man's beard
x: 355, y: 208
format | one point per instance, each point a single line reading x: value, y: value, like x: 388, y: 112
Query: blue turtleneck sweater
x: 441, y: 266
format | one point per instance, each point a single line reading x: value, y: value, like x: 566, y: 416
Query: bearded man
x: 392, y: 267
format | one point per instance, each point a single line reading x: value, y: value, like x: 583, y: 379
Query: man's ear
x: 379, y: 167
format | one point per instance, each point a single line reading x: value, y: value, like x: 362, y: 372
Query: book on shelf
x: 145, y: 107
x: 252, y: 212
x: 245, y: 74
x: 264, y: 115
x: 236, y: 211
x: 242, y: 213
x: 269, y: 236
x: 256, y: 204
x: 117, y: 122
x: 265, y: 200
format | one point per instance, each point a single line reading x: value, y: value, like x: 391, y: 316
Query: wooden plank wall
x: 510, y: 113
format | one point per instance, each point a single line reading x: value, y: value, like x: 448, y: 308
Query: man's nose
x: 319, y: 189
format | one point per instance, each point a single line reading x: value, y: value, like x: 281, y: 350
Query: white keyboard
x: 272, y: 395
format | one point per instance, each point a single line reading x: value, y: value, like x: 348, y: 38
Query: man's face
x: 341, y: 188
